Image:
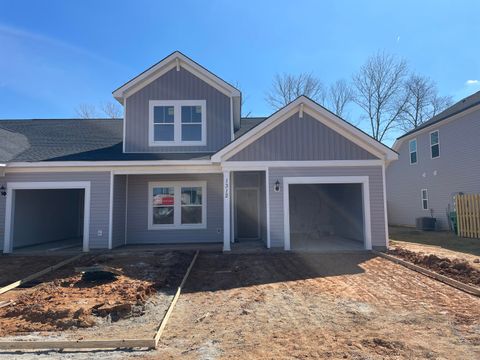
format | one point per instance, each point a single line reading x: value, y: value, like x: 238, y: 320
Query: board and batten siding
x: 99, y: 201
x: 138, y: 202
x: 302, y: 139
x: 456, y: 170
x: 377, y: 211
x: 177, y: 85
x: 119, y: 210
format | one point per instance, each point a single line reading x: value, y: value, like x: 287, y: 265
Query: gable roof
x: 457, y: 108
x: 175, y: 59
x: 304, y: 104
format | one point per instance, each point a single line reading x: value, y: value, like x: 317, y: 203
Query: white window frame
x: 177, y: 206
x: 177, y: 122
x: 426, y: 198
x: 432, y: 145
x: 410, y: 152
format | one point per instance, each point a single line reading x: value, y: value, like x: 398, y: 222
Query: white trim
x: 10, y: 204
x: 176, y: 59
x: 319, y: 113
x: 259, y: 229
x: 387, y: 235
x: 227, y: 189
x: 410, y: 152
x: 328, y: 180
x: 267, y: 195
x: 177, y: 206
x: 110, y: 217
x: 126, y: 209
x: 430, y: 142
x: 124, y: 126
x: 396, y: 145
x: 177, y: 122
x: 232, y: 210
x: 108, y: 163
x: 426, y: 198
x: 262, y: 165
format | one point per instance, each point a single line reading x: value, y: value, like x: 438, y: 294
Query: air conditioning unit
x: 426, y: 223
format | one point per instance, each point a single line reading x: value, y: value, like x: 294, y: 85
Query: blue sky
x: 57, y: 54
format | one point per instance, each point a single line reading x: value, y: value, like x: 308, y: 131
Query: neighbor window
x: 424, y: 199
x: 177, y: 122
x: 177, y: 205
x: 413, y: 151
x: 434, y: 144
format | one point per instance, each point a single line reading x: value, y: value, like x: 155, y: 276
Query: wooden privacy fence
x: 468, y: 215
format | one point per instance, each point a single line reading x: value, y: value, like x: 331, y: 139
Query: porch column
x: 226, y: 210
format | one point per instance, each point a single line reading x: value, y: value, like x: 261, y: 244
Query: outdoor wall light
x: 3, y: 191
x: 276, y: 187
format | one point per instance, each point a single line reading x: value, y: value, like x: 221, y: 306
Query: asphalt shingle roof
x: 80, y: 140
x: 456, y: 108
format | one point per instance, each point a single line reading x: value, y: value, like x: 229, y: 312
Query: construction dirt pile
x: 458, y: 269
x: 72, y: 300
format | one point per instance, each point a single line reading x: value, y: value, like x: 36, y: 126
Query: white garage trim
x: 40, y: 185
x: 367, y: 235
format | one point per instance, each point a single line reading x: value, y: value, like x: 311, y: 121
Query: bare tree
x: 380, y: 92
x: 112, y: 110
x: 86, y: 111
x: 286, y: 88
x: 339, y: 95
x: 243, y: 101
x: 423, y: 102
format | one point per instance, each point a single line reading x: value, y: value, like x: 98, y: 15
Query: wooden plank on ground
x: 445, y: 279
x: 38, y: 274
x: 174, y: 301
x: 77, y: 344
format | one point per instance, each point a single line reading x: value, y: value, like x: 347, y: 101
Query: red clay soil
x: 66, y: 301
x: 458, y: 269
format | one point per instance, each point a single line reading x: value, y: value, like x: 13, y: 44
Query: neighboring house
x: 183, y: 167
x: 437, y: 160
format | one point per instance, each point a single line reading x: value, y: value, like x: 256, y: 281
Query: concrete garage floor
x: 306, y: 242
x: 71, y: 245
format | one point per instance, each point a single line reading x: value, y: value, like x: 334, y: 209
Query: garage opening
x: 326, y: 217
x: 48, y: 219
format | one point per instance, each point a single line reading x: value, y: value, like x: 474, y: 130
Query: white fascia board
x: 167, y: 64
x: 107, y: 163
x: 262, y: 165
x: 332, y: 121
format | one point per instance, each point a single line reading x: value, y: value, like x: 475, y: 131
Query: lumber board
x: 163, y: 324
x: 77, y: 344
x: 472, y: 290
x: 38, y: 274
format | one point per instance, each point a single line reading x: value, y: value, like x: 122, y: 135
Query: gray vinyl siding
x: 137, y: 216
x: 119, y: 204
x: 377, y: 211
x: 457, y: 170
x: 177, y: 85
x: 302, y: 139
x: 99, y: 201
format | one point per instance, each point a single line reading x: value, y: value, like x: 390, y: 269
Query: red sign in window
x: 163, y: 200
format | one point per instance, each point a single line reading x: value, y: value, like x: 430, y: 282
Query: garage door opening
x: 326, y: 217
x: 48, y: 219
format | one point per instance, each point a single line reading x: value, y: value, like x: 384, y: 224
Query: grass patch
x: 444, y: 239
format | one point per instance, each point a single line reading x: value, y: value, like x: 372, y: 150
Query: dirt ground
x: 352, y: 306
x: 66, y: 305
x: 14, y: 268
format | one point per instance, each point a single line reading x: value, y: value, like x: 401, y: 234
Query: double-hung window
x: 177, y: 122
x: 177, y: 205
x: 424, y: 199
x: 412, y: 145
x: 434, y: 144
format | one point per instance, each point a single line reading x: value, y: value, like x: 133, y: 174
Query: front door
x: 247, y: 214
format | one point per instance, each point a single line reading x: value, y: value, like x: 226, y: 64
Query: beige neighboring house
x: 437, y: 160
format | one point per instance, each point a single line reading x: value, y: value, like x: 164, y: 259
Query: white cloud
x: 471, y: 82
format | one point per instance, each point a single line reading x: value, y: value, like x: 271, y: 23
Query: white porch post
x: 226, y: 210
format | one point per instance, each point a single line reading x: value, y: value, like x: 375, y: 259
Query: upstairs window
x: 413, y: 151
x: 177, y: 122
x: 434, y: 144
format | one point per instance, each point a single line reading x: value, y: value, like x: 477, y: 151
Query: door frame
x: 259, y: 230
x: 41, y: 185
x: 363, y: 180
